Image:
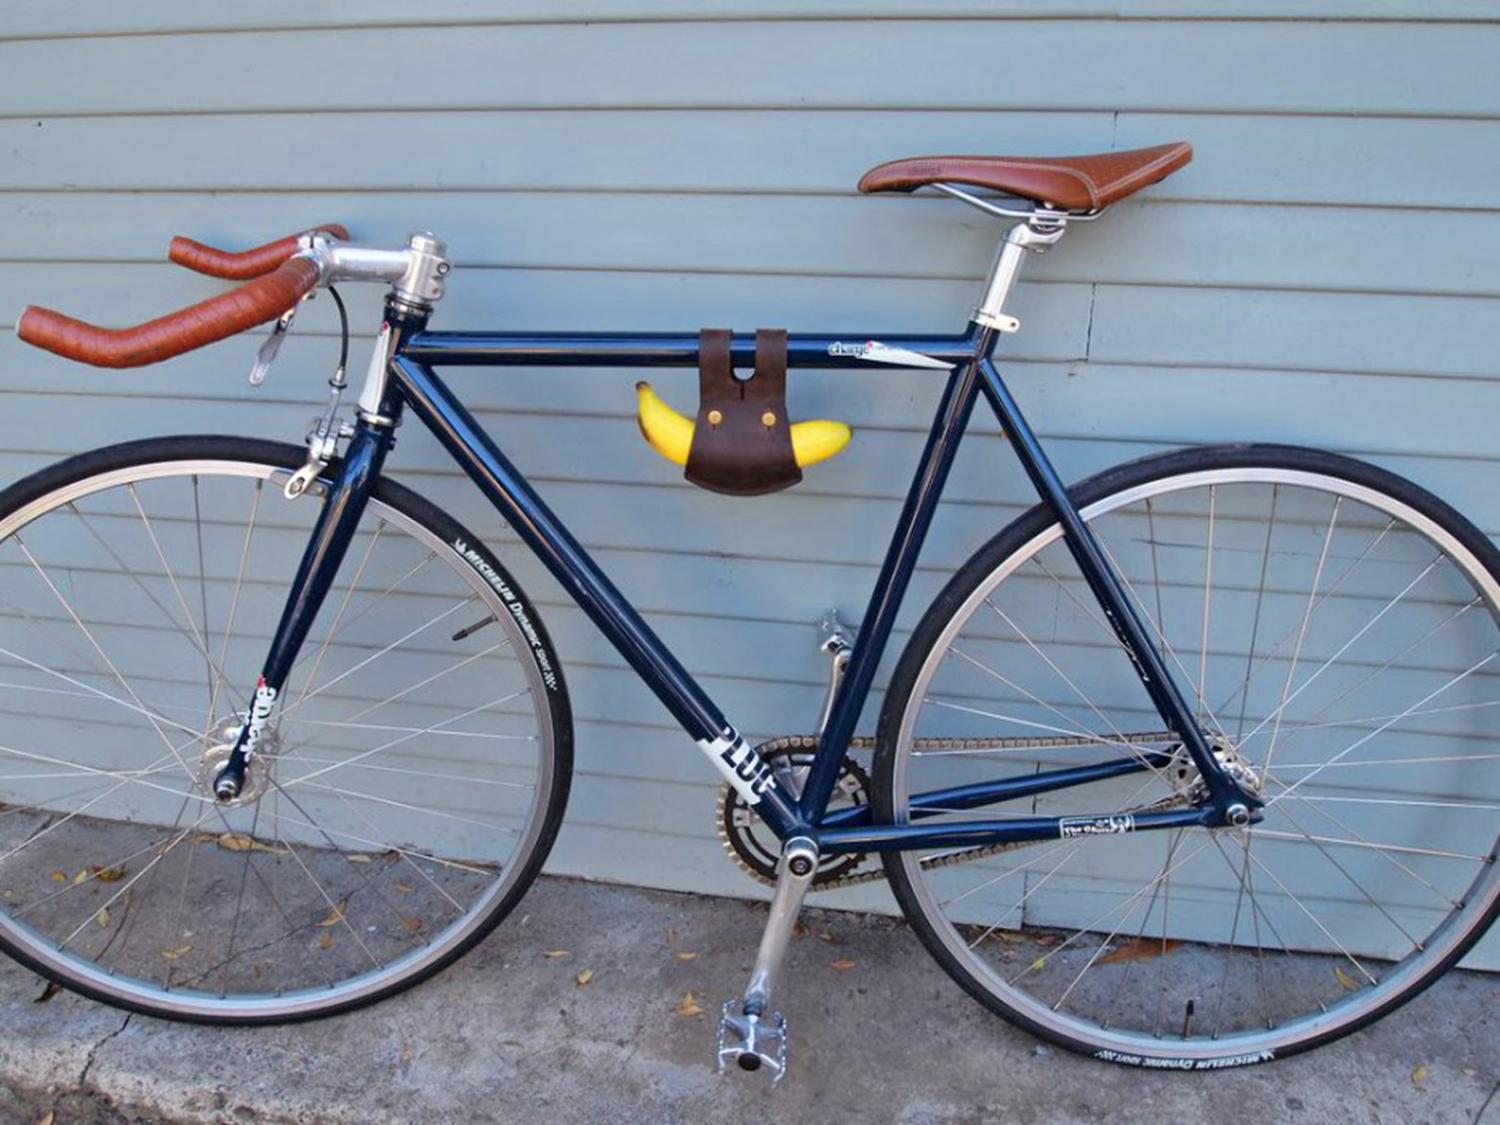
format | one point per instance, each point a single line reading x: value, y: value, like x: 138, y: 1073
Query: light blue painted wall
x: 1324, y: 272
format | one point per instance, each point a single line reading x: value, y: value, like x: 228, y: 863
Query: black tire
x: 479, y: 557
x: 1005, y: 545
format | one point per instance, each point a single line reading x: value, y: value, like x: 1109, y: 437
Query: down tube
x: 580, y: 576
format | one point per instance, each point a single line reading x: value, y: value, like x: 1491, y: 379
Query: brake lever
x: 267, y: 353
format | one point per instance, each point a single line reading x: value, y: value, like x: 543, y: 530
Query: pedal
x: 752, y: 1042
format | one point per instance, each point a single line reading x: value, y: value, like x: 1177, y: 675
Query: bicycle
x: 209, y: 811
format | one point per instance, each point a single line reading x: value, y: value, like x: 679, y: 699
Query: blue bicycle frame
x: 412, y: 383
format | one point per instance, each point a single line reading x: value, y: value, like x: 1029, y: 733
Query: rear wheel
x: 408, y: 786
x: 1336, y: 629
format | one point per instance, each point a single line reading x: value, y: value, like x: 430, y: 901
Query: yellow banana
x: 671, y: 434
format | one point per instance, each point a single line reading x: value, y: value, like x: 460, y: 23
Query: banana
x: 671, y: 434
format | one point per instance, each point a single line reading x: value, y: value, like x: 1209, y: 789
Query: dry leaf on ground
x: 843, y: 965
x: 357, y: 858
x: 686, y: 956
x: 1139, y: 949
x: 689, y: 1006
x: 554, y: 954
x: 176, y: 953
x: 335, y: 916
x: 411, y: 924
x: 1348, y: 983
x: 326, y: 941
x: 584, y: 977
x: 1419, y: 1075
x: 404, y: 888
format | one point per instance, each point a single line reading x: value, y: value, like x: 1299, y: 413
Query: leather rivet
x: 715, y: 417
x: 768, y: 419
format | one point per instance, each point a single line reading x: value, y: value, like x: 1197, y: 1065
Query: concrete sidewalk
x: 508, y: 1034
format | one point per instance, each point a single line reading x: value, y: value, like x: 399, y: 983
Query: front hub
x: 256, y: 776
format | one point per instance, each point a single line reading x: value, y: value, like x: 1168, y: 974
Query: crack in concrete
x: 1479, y: 1117
x: 88, y: 1063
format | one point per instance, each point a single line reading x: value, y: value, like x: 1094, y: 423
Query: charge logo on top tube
x: 741, y: 766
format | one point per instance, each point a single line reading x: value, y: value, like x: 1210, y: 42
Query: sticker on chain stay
x: 1095, y: 825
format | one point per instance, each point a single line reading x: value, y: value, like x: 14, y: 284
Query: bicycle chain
x: 788, y: 744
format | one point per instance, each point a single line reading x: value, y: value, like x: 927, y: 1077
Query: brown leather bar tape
x: 215, y: 319
x: 244, y: 264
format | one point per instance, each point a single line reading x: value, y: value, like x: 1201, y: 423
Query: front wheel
x: 1335, y: 627
x: 405, y: 791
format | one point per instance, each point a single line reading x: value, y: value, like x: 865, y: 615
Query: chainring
x: 754, y: 847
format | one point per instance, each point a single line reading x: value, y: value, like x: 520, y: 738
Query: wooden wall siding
x: 1324, y: 272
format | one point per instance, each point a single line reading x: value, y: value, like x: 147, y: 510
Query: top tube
x: 653, y: 349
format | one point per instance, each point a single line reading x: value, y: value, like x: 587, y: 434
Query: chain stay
x: 810, y: 742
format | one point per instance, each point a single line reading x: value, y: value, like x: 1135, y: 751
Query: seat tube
x: 343, y: 506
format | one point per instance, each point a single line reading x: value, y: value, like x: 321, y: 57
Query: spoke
x: 400, y: 851
x: 1360, y: 842
x: 428, y: 680
x: 1284, y: 766
x: 304, y: 778
x: 213, y: 678
x: 1277, y: 648
x: 1344, y: 871
x: 373, y: 602
x: 1083, y: 697
x: 339, y: 910
x: 202, y: 645
x: 1020, y: 904
x: 1314, y: 919
x: 1260, y: 596
x: 1079, y: 729
x: 1156, y: 627
x: 395, y: 729
x: 393, y: 803
x: 1381, y: 729
x: 1159, y: 881
x: 133, y: 880
x: 1291, y: 671
x: 308, y: 697
x: 1041, y: 961
x: 343, y: 606
x: 1288, y: 699
x: 234, y: 598
x: 1388, y: 852
x: 67, y: 606
x: 1332, y: 703
x: 128, y: 570
x: 140, y: 709
x: 1208, y: 578
x: 368, y: 843
x: 426, y: 774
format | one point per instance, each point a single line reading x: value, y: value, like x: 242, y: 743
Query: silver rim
x: 403, y: 784
x: 1266, y: 591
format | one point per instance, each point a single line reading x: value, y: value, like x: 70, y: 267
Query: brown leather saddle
x: 1068, y: 183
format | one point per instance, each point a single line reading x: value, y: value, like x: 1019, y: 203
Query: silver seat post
x: 1033, y: 235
